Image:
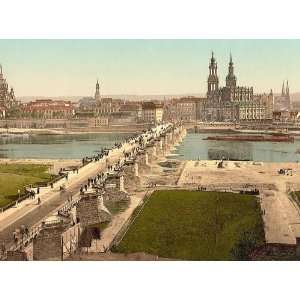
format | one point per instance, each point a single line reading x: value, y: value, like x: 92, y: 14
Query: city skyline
x: 144, y: 67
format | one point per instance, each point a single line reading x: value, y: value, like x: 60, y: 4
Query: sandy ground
x: 281, y: 218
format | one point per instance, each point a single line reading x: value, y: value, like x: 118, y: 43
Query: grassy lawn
x: 16, y: 176
x: 194, y: 225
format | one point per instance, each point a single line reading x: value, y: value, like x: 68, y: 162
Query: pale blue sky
x: 71, y: 67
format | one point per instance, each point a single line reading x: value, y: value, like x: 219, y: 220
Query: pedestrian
x: 15, y: 237
x: 38, y: 190
x: 51, y: 185
x: 39, y: 201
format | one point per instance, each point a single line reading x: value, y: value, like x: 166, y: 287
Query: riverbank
x: 87, y: 130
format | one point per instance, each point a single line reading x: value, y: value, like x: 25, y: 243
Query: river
x: 62, y: 146
x: 194, y: 147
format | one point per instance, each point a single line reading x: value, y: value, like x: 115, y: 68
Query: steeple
x: 213, y: 80
x: 283, y: 90
x: 230, y: 78
x: 97, y: 93
x: 287, y: 88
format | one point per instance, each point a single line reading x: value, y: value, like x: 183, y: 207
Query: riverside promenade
x: 29, y: 213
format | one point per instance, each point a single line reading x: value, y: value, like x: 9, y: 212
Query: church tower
x: 287, y: 91
x: 97, y: 93
x: 230, y: 78
x: 213, y: 80
x: 283, y: 90
x: 287, y: 95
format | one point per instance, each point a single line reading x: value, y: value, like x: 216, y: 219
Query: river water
x: 63, y: 146
x: 193, y: 147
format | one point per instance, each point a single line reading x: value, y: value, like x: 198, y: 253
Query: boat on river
x: 253, y: 138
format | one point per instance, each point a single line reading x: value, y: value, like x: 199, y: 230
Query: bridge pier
x: 131, y: 175
x: 115, y: 182
x: 48, y: 243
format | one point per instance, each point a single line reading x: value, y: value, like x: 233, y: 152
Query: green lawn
x: 16, y: 176
x: 194, y: 225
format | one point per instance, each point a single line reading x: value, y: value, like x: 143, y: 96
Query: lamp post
x: 19, y: 195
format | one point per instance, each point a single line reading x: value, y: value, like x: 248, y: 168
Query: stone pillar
x: 161, y: 144
x: 48, y: 243
x: 136, y: 169
x: 166, y: 143
x: 154, y: 151
x: 122, y: 184
x: 91, y: 211
x: 146, y: 159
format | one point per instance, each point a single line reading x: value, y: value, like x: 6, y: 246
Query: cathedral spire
x: 287, y: 88
x: 97, y: 93
x: 230, y: 78
x: 283, y: 89
x: 213, y: 80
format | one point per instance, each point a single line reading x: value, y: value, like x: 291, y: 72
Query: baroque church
x: 7, y: 96
x: 233, y: 103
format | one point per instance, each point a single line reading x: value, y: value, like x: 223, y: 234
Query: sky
x: 146, y: 67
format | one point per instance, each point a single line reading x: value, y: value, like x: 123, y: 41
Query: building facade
x: 7, y: 97
x: 233, y: 103
x: 48, y: 109
x: 152, y: 113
